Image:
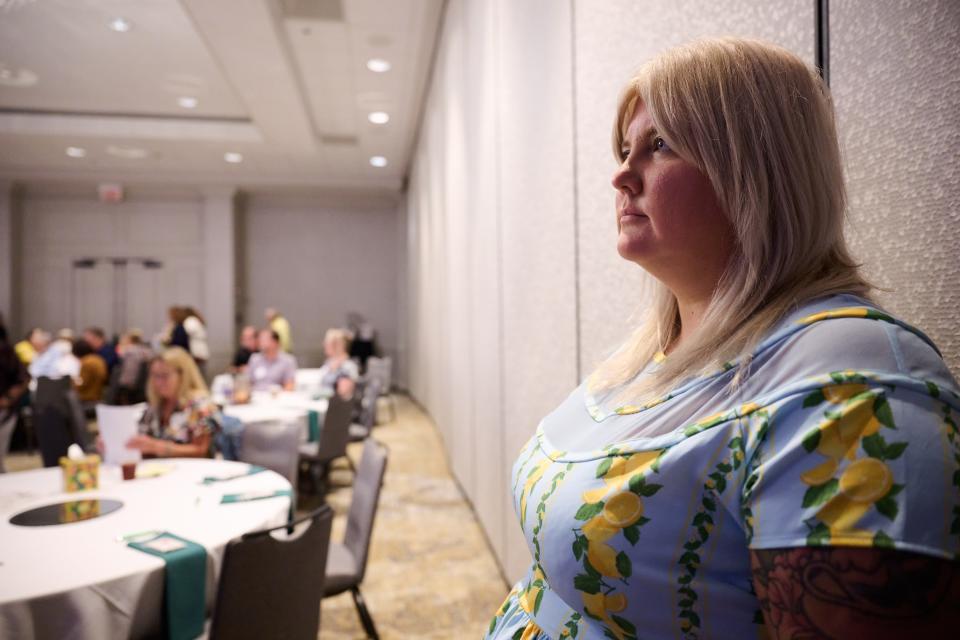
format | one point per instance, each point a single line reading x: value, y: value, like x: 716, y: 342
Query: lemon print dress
x: 844, y: 434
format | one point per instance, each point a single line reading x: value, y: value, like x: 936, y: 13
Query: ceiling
x: 283, y: 83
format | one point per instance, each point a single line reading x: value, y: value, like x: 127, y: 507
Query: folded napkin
x: 249, y: 496
x: 185, y: 581
x: 252, y: 469
x: 313, y: 420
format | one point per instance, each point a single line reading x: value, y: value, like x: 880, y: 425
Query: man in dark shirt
x: 97, y: 339
x: 248, y: 346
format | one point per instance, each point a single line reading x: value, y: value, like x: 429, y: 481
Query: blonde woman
x: 769, y: 454
x: 339, y: 373
x: 179, y: 420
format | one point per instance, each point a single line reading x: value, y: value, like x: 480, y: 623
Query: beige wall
x: 514, y: 286
x: 315, y: 260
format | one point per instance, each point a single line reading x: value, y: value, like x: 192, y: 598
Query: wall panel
x: 896, y: 83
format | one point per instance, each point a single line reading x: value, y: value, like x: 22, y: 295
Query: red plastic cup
x: 129, y: 470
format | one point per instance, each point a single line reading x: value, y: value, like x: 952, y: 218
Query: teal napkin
x: 185, y: 581
x: 249, y: 472
x: 231, y: 498
x: 313, y: 418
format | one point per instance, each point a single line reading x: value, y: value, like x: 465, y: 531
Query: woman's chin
x: 632, y: 248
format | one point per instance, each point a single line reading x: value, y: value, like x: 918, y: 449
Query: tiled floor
x: 430, y: 574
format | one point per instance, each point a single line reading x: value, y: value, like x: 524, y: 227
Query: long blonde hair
x: 759, y: 124
x: 192, y: 384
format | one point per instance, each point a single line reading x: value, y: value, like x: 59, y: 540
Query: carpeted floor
x: 430, y: 573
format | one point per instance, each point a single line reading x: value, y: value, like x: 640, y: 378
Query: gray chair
x: 381, y: 370
x: 8, y: 421
x: 334, y: 436
x: 274, y: 445
x: 58, y: 419
x: 347, y: 563
x: 361, y: 429
x: 271, y: 588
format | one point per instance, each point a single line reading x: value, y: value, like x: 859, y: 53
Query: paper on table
x: 117, y: 425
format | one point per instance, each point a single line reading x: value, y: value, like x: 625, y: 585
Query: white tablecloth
x: 77, y: 581
x: 286, y: 407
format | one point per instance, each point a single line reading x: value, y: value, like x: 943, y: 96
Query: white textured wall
x: 514, y: 286
x: 315, y: 262
x: 895, y: 74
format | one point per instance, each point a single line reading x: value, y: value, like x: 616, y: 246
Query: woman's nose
x: 626, y: 179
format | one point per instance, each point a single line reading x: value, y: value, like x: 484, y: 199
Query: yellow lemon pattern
x: 849, y: 440
x: 838, y: 459
x: 613, y: 509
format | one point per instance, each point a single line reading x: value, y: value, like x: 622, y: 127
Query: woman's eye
x: 659, y: 144
x: 624, y: 154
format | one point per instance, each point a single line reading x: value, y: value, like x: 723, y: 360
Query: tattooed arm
x: 847, y: 592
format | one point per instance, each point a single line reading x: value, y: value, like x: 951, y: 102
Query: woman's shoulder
x: 846, y: 334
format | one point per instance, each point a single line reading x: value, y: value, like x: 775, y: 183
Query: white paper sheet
x: 117, y: 425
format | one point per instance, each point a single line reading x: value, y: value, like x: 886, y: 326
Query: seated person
x: 271, y: 367
x: 97, y: 339
x: 32, y: 345
x: 93, y: 373
x: 193, y: 381
x: 134, y: 355
x: 177, y: 423
x: 248, y: 347
x: 56, y: 360
x: 339, y: 373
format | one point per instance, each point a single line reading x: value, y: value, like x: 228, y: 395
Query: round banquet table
x: 288, y: 407
x: 78, y: 580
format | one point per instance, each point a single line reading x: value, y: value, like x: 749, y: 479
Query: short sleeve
x: 856, y: 462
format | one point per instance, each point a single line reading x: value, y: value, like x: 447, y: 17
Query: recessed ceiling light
x: 188, y: 102
x: 378, y: 65
x: 76, y: 152
x: 378, y: 161
x: 120, y: 25
x: 16, y: 77
x: 379, y: 117
x: 233, y: 157
x: 127, y: 153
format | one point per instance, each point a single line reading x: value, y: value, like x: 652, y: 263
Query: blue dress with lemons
x: 844, y: 433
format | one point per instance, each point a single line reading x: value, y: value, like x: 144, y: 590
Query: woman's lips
x: 627, y: 215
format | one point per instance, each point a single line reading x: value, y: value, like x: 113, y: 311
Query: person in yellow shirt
x: 32, y: 345
x: 280, y: 324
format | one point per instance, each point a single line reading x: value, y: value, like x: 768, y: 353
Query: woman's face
x: 669, y: 220
x: 332, y: 347
x: 165, y: 380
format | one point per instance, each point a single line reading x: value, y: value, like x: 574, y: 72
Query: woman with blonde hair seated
x: 339, y: 373
x: 770, y: 454
x: 180, y: 419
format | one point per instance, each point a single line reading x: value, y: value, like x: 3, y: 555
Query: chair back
x: 363, y: 504
x: 271, y: 587
x: 368, y: 403
x: 53, y: 417
x: 274, y: 445
x: 381, y: 369
x: 7, y: 423
x: 336, y: 430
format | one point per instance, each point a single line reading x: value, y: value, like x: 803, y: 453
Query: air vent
x: 339, y: 139
x: 328, y: 10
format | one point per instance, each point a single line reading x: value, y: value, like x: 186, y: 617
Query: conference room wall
x: 896, y: 84
x: 56, y: 227
x: 315, y: 262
